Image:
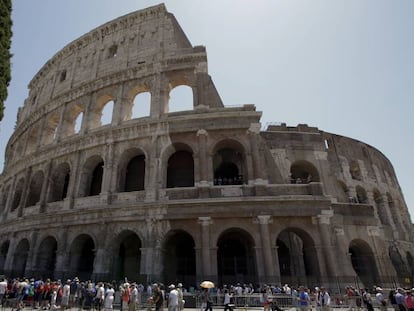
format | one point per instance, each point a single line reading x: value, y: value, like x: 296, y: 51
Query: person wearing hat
x: 133, y: 297
x: 399, y: 299
x: 180, y: 297
x: 157, y: 297
x: 173, y: 298
x: 64, y: 303
x: 379, y: 296
x: 324, y: 299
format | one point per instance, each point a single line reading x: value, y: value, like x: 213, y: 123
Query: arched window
x: 78, y: 123
x: 35, y: 189
x: 135, y: 174
x: 96, y: 182
x: 60, y: 183
x: 107, y: 110
x: 17, y: 194
x: 229, y: 164
x: 181, y: 99
x: 361, y: 195
x: 141, y: 105
x: 355, y: 170
x: 180, y: 170
x: 303, y: 172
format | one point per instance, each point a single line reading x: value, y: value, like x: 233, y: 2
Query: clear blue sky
x: 346, y: 66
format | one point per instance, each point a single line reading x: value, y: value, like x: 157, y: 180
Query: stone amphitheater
x: 181, y: 196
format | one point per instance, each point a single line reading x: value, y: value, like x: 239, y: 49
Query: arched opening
x: 46, y: 258
x: 50, y: 129
x: 135, y: 174
x: 303, y: 172
x: 127, y: 259
x: 398, y: 263
x: 4, y: 250
x: 32, y: 139
x: 107, y: 109
x: 410, y: 262
x: 179, y: 258
x: 180, y: 170
x: 78, y: 123
x: 361, y: 195
x: 236, y: 261
x: 20, y: 258
x: 229, y: 164
x: 4, y: 195
x: 82, y: 257
x: 355, y: 170
x: 298, y: 259
x: 17, y: 194
x: 363, y: 262
x: 59, y: 183
x: 91, y: 177
x: 35, y: 189
x: 141, y: 106
x: 181, y: 99
x: 393, y: 211
x: 97, y: 177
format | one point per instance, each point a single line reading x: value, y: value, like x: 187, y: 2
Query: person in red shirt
x: 409, y: 300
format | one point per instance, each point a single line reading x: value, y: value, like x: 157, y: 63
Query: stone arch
x: 229, y: 163
x: 46, y: 257
x: 398, y: 262
x: 4, y: 250
x: 92, y: 177
x: 236, y: 258
x: 180, y: 167
x: 50, y: 128
x: 132, y: 170
x: 361, y: 195
x: 126, y: 251
x: 73, y: 118
x: 381, y: 209
x: 355, y: 170
x: 96, y: 113
x: 179, y: 258
x: 18, y: 192
x: 363, y: 262
x: 20, y: 257
x: 298, y: 258
x: 303, y: 171
x: 181, y: 98
x: 137, y: 103
x: 343, y: 193
x: 59, y: 184
x: 82, y: 257
x: 35, y: 188
x: 32, y: 139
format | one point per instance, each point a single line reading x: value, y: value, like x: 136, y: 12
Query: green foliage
x: 5, y: 55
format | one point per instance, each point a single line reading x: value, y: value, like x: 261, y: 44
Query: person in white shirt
x: 3, y: 290
x: 65, y: 295
x: 324, y: 299
x: 133, y: 297
x: 109, y: 298
x: 172, y: 298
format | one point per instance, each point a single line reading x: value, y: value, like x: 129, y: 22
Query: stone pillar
x: 108, y: 170
x: 62, y: 264
x: 257, y: 160
x: 10, y: 197
x: 73, y: 183
x: 31, y: 256
x: 342, y: 254
x: 159, y: 95
x: 45, y: 188
x: 25, y: 192
x: 118, y: 114
x: 61, y: 124
x: 324, y: 221
x: 202, y: 147
x: 101, y: 265
x: 264, y: 221
x: 8, y: 264
x: 205, y: 223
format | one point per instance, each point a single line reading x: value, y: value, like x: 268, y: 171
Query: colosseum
x: 181, y: 196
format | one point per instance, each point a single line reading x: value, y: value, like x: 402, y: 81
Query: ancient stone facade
x: 185, y: 195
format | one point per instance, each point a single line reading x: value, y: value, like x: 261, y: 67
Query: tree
x: 5, y: 55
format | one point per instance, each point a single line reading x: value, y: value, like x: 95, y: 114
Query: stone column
x: 202, y: 149
x: 118, y: 106
x: 8, y: 264
x: 324, y: 221
x: 10, y: 197
x: 45, y: 188
x: 108, y: 170
x: 25, y: 192
x: 264, y: 221
x: 62, y: 263
x: 101, y: 265
x: 257, y: 160
x: 73, y: 183
x: 31, y: 256
x: 205, y: 223
x: 342, y: 254
x: 62, y: 115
